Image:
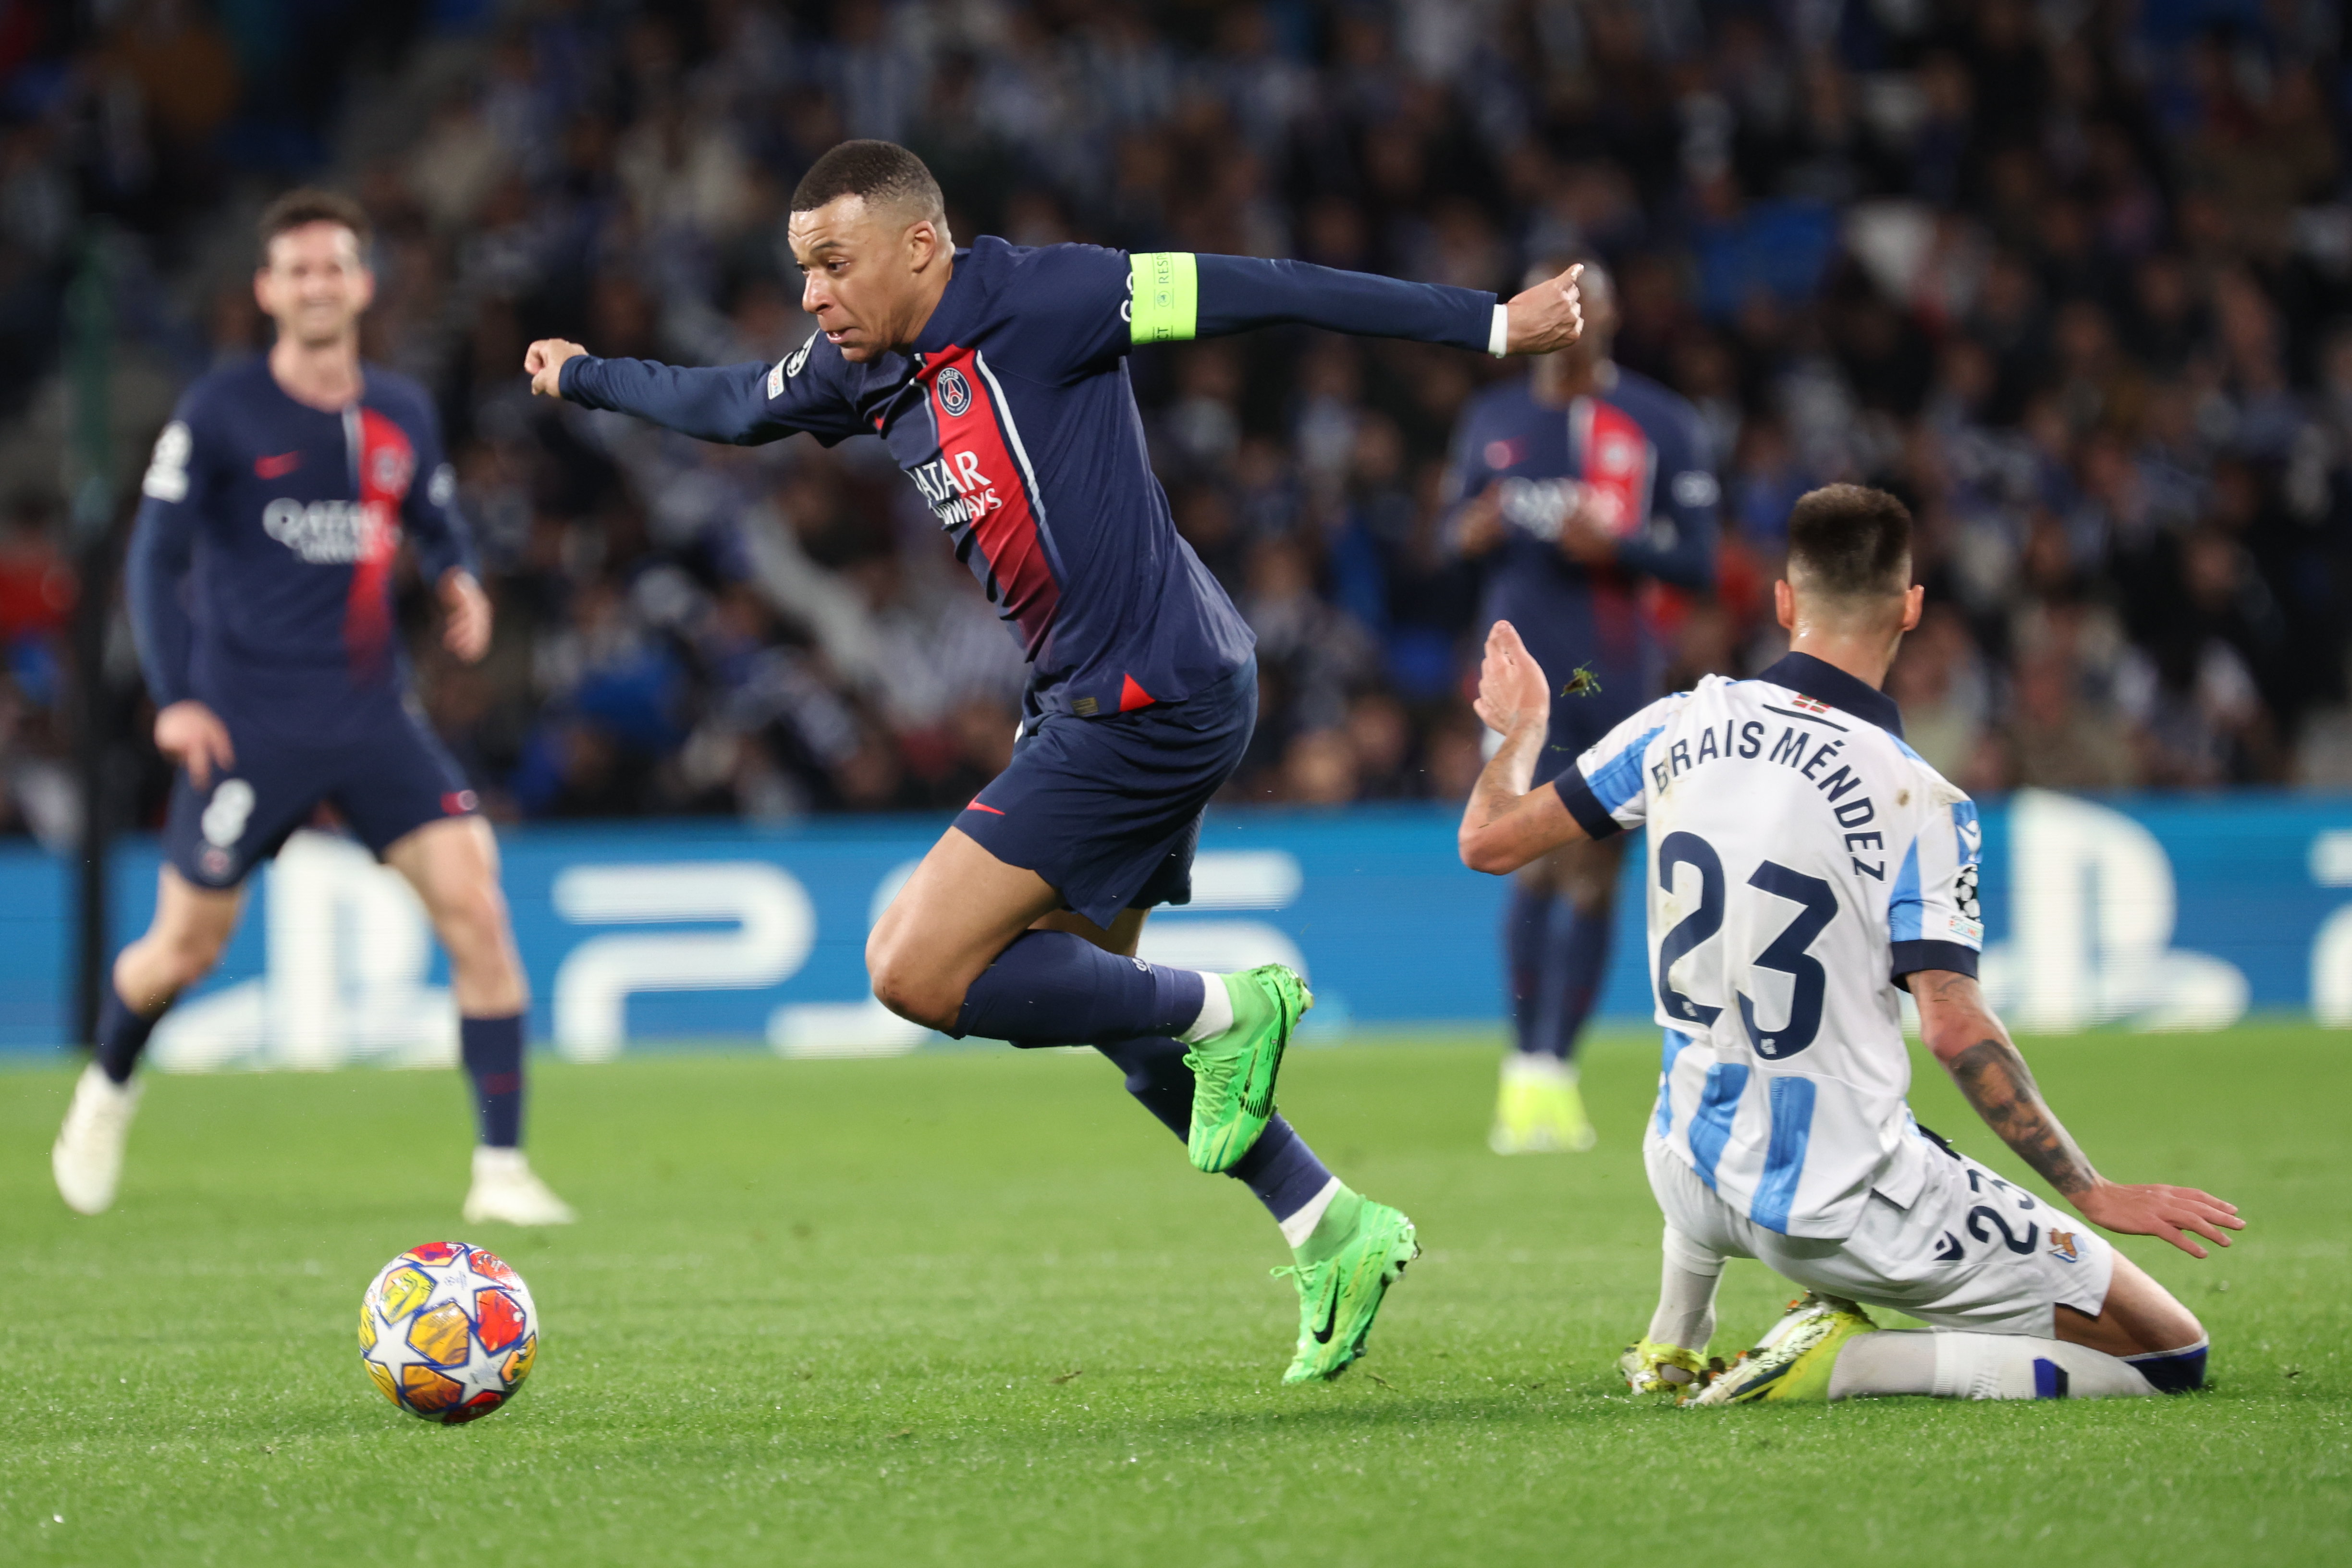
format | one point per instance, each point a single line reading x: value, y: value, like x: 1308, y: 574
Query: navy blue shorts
x: 1109, y: 810
x: 387, y: 782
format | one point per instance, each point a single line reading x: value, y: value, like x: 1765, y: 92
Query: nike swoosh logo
x: 1331, y: 1322
x: 991, y: 811
x: 277, y: 466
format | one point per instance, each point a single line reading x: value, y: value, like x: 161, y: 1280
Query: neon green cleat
x: 1539, y: 1110
x: 1793, y: 1361
x: 1341, y: 1294
x: 1649, y: 1367
x: 1233, y: 1073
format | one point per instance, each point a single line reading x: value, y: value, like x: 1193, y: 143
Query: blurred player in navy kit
x: 259, y: 579
x: 1585, y: 491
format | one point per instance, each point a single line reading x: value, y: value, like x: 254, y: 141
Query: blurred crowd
x: 2073, y: 277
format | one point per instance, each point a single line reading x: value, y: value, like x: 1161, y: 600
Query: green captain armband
x: 1167, y: 304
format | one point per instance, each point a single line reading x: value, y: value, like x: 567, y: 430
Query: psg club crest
x: 955, y: 392
x: 392, y: 470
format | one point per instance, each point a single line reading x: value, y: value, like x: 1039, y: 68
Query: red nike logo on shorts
x: 278, y: 467
x: 975, y: 806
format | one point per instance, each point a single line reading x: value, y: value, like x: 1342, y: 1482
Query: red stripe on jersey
x: 1132, y: 695
x: 1618, y: 462
x: 981, y: 466
x: 1619, y: 467
x: 387, y: 463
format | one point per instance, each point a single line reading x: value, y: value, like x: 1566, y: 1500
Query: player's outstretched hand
x: 1546, y: 317
x: 467, y: 608
x: 193, y: 735
x: 1511, y: 686
x: 2154, y: 1209
x: 543, y: 362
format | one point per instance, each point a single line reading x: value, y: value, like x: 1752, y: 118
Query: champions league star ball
x: 447, y: 1331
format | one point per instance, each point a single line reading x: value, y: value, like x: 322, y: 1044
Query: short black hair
x: 878, y: 171
x: 1851, y: 542
x: 301, y: 208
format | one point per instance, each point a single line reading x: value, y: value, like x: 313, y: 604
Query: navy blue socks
x: 1527, y: 918
x: 2174, y: 1372
x: 1575, y: 956
x: 1279, y: 1168
x: 492, y: 1048
x: 1050, y: 988
x: 121, y: 1033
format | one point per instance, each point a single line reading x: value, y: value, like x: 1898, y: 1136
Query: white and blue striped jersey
x: 1802, y: 861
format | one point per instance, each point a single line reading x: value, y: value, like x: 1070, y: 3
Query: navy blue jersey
x: 259, y: 574
x: 1013, y: 413
x: 1636, y: 450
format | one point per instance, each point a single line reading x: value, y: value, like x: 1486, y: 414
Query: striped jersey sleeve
x: 1933, y: 918
x: 1608, y: 790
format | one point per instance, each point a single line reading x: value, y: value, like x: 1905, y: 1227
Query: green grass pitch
x: 975, y: 1308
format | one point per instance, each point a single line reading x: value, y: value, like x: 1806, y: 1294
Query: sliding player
x: 998, y: 376
x: 1586, y: 490
x: 1804, y: 864
x: 259, y: 580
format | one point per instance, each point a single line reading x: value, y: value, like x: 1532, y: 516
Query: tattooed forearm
x: 1997, y: 1083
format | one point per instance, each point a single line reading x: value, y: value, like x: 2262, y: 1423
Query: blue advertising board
x: 2147, y: 912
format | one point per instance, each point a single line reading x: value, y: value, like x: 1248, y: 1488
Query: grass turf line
x: 975, y: 1308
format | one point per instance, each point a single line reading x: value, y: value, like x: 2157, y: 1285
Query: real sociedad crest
x: 955, y: 392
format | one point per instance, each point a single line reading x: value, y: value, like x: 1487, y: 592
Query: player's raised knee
x: 908, y: 988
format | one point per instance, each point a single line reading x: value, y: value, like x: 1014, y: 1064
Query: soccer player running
x: 1586, y: 492
x: 997, y: 374
x: 259, y: 580
x: 1804, y: 864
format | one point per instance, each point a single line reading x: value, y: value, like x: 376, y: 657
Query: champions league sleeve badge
x: 784, y: 369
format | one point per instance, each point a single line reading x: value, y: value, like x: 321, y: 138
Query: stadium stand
x: 2075, y: 279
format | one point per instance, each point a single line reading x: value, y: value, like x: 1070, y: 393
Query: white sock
x: 1301, y: 1225
x: 1687, y: 1282
x: 1537, y: 1067
x: 1216, y: 1013
x: 1892, y: 1361
x: 1961, y: 1365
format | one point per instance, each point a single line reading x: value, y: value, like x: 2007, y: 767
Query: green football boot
x: 1233, y: 1073
x: 1539, y: 1109
x: 1340, y: 1293
x: 1794, y: 1360
x: 1649, y: 1367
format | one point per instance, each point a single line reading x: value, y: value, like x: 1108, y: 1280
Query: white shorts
x: 1972, y: 1251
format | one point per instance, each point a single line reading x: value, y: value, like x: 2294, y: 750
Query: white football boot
x: 505, y: 1189
x: 87, y: 1157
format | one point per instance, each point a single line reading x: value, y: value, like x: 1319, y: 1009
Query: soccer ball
x: 447, y: 1331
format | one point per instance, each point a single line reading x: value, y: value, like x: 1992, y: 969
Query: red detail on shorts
x: 459, y: 802
x: 1132, y: 697
x: 388, y: 464
x: 991, y: 811
x: 276, y: 467
x: 981, y: 465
